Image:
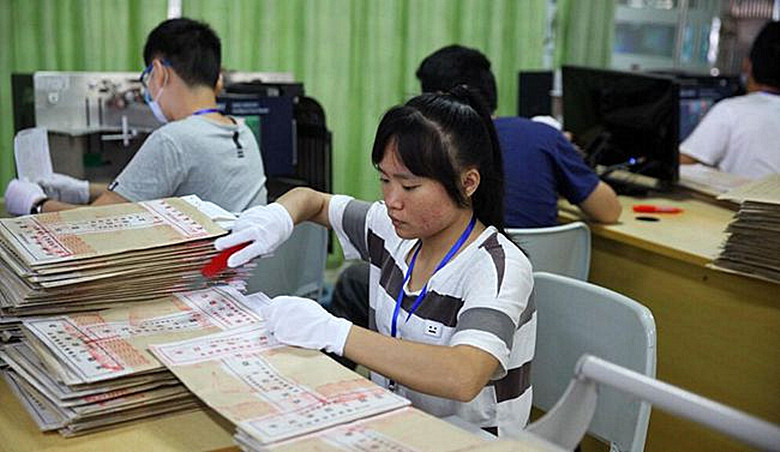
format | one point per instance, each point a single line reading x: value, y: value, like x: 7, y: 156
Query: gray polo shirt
x: 219, y: 163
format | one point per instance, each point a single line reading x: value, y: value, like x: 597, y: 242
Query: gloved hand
x: 21, y: 196
x: 65, y: 188
x: 266, y: 227
x: 304, y: 323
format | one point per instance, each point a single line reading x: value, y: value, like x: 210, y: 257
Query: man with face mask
x: 197, y: 151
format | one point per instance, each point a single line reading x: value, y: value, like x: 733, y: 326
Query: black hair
x: 457, y: 65
x: 437, y: 136
x: 192, y: 48
x: 765, y: 55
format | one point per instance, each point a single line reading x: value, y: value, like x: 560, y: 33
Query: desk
x: 194, y: 430
x: 718, y: 333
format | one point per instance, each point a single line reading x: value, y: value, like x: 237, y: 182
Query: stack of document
x: 753, y: 244
x: 90, y: 371
x: 272, y: 392
x: 284, y: 398
x: 708, y: 180
x: 95, y: 257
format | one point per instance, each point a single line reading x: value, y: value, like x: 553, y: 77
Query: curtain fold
x: 584, y: 32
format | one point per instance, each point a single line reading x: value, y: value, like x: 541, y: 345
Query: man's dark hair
x: 457, y: 65
x: 765, y: 55
x: 192, y: 48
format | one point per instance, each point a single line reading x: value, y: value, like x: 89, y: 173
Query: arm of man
x: 602, y: 204
x: 97, y: 189
x: 458, y: 372
x: 104, y: 198
x: 687, y: 159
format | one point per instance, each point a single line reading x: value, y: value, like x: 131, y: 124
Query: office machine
x: 627, y: 124
x: 97, y: 121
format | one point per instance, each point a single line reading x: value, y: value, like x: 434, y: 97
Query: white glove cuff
x: 284, y: 218
x: 340, y: 328
x: 81, y: 194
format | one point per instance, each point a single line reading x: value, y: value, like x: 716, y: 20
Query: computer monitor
x: 627, y: 124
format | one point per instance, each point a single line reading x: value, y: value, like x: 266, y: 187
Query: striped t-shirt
x: 481, y: 298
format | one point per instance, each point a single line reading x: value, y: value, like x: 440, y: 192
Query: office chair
x: 575, y: 318
x: 563, y: 250
x: 568, y: 420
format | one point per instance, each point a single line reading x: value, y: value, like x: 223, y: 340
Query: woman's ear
x: 470, y: 179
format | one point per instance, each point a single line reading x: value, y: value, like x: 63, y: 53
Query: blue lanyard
x: 205, y: 111
x: 424, y: 291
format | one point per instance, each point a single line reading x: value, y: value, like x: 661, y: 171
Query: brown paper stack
x: 95, y: 257
x: 89, y: 371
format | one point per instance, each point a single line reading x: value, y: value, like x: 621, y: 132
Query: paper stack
x: 753, y: 245
x: 89, y: 371
x: 96, y: 257
x: 289, y: 399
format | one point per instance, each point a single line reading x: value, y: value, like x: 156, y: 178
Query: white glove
x: 304, y: 323
x: 65, y: 188
x: 266, y: 227
x: 21, y: 196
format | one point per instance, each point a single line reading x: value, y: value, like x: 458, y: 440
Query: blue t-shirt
x: 539, y: 164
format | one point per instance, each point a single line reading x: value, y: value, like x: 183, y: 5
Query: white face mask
x: 157, y: 111
x: 154, y: 105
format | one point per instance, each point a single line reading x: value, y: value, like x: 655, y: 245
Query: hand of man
x: 21, y: 196
x: 304, y: 323
x: 65, y: 188
x: 266, y: 227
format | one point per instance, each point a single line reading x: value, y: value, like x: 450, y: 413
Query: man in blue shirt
x: 539, y: 162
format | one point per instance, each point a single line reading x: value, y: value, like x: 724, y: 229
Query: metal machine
x: 98, y: 120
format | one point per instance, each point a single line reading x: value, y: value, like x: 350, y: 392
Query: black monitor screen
x: 698, y: 95
x: 624, y: 120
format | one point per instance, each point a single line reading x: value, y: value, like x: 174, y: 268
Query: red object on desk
x: 649, y: 208
x: 219, y: 262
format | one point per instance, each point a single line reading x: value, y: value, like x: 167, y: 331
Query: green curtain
x: 584, y: 32
x: 358, y: 57
x: 67, y: 35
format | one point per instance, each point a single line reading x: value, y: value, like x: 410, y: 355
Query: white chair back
x: 566, y: 423
x: 576, y: 318
x: 563, y: 249
x: 296, y: 268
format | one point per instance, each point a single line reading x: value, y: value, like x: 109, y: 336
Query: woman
x: 451, y: 325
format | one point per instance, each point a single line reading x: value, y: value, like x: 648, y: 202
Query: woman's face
x: 418, y: 206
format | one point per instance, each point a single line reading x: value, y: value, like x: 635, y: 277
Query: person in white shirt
x: 741, y: 135
x: 452, y: 325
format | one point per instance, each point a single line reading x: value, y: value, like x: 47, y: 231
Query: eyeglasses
x: 144, y: 78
